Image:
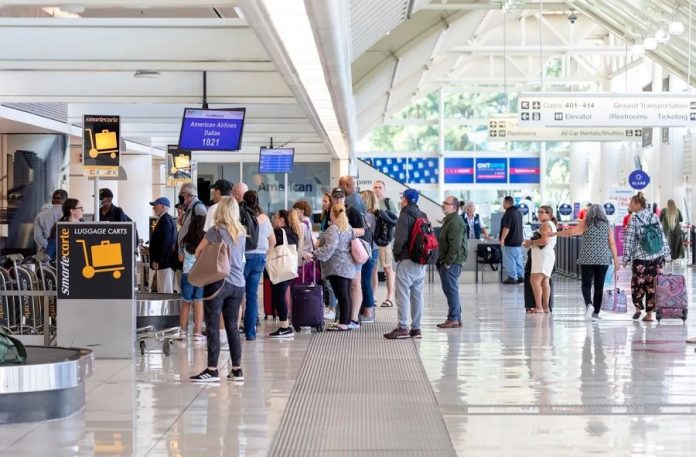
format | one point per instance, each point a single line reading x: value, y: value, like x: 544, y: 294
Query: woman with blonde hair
x: 225, y: 296
x: 368, y: 302
x: 671, y: 219
x: 336, y: 262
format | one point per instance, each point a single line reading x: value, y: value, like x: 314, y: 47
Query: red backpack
x: 422, y: 242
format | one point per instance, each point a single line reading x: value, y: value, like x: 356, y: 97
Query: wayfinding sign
x: 638, y: 179
x: 508, y: 128
x: 582, y: 109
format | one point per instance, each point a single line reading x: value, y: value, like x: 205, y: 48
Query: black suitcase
x: 308, y: 304
x: 529, y: 301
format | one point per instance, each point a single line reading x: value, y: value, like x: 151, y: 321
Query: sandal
x: 337, y: 328
x: 636, y: 315
x: 647, y: 319
x: 387, y: 304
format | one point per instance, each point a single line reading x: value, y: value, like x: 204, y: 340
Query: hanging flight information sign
x: 178, y: 166
x: 276, y: 160
x: 508, y: 128
x: 576, y: 109
x: 101, y: 141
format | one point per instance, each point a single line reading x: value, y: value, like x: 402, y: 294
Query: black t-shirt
x: 512, y: 220
x: 354, y: 217
x: 292, y: 236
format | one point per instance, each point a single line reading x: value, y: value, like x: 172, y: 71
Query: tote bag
x: 281, y: 262
x: 211, y: 266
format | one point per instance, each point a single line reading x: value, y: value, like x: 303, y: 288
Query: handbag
x: 11, y: 350
x: 614, y: 300
x: 281, y: 262
x: 359, y: 250
x: 212, y: 264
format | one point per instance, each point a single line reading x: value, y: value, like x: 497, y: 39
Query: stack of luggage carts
x: 23, y: 314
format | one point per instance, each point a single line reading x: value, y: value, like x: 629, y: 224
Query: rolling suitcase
x: 268, y: 309
x: 529, y: 301
x: 671, y: 299
x: 308, y: 304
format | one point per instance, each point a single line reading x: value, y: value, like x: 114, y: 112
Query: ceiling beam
x: 135, y: 4
x: 554, y: 6
x: 525, y: 50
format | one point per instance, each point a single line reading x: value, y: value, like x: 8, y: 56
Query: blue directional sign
x: 638, y: 179
x: 565, y: 209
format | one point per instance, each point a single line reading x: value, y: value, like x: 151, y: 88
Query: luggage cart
x: 106, y: 257
x: 166, y: 337
x: 5, y: 318
x: 157, y: 319
x: 25, y: 281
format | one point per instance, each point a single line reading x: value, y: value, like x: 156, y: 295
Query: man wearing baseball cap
x: 163, y: 245
x: 107, y: 210
x: 409, y: 274
x: 221, y: 188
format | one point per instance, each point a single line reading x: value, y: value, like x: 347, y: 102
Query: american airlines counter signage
x: 575, y: 109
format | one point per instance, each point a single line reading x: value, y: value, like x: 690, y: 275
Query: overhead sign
x: 101, y: 145
x: 576, y: 109
x: 565, y: 209
x: 638, y: 179
x: 609, y: 209
x: 525, y: 170
x: 508, y: 129
x: 524, y: 209
x: 178, y: 166
x: 459, y: 170
x: 93, y: 258
x: 491, y: 171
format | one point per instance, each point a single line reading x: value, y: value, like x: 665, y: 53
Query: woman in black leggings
x: 279, y: 292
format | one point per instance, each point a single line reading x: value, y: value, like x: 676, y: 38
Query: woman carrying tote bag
x: 281, y: 268
x: 228, y: 230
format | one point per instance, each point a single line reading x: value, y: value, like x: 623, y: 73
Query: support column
x: 542, y: 171
x: 441, y: 146
x: 135, y: 194
x: 579, y: 173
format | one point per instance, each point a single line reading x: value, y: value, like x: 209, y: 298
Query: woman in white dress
x: 543, y: 258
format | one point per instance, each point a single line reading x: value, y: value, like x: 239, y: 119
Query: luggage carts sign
x: 101, y: 145
x: 178, y: 166
x: 95, y: 260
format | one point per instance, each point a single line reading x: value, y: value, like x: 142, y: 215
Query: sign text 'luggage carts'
x: 102, y: 143
x: 106, y: 257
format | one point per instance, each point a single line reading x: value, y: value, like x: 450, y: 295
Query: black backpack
x: 490, y: 253
x: 251, y: 222
x: 384, y: 228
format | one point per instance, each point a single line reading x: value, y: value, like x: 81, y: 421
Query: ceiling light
x: 676, y: 28
x: 661, y: 36
x: 147, y: 74
x: 650, y: 43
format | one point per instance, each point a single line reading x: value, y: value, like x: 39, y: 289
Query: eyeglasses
x: 541, y: 211
x: 79, y: 207
x: 448, y: 203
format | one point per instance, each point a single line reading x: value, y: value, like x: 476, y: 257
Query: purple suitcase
x: 671, y: 299
x: 308, y: 304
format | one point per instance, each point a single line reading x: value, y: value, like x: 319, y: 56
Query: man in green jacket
x: 452, y: 255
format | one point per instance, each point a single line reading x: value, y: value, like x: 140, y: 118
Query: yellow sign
x: 106, y: 257
x: 178, y: 166
x: 101, y: 145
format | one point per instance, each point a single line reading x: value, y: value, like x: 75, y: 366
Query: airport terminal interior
x: 549, y: 145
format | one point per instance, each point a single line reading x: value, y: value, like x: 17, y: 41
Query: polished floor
x: 505, y: 384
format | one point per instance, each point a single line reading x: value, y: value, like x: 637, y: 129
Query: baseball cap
x: 60, y: 194
x: 338, y: 192
x: 411, y: 195
x: 162, y: 201
x: 223, y: 185
x: 105, y: 193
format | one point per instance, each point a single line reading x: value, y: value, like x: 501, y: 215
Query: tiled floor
x: 507, y: 384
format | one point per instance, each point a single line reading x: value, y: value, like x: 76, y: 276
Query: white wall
x: 135, y: 194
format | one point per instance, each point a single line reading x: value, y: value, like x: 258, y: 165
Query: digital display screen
x: 277, y: 160
x: 459, y: 171
x: 491, y: 171
x: 525, y: 170
x: 212, y: 129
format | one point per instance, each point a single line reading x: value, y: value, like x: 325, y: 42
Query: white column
x: 654, y: 154
x: 542, y: 171
x: 441, y: 146
x: 579, y: 173
x: 135, y: 194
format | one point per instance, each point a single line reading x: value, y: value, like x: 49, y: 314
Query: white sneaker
x: 329, y: 315
x: 595, y: 317
x: 588, y: 312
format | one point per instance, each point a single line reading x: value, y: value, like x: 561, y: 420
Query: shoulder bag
x: 211, y: 265
x: 359, y: 250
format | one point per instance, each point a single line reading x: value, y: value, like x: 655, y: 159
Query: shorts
x: 386, y: 256
x: 188, y: 292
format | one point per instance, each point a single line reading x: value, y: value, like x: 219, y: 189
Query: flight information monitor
x: 212, y: 129
x: 276, y: 160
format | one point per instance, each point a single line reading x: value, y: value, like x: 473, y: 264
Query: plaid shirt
x: 633, y: 248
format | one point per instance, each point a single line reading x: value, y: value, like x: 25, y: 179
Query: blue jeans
x: 450, y: 286
x: 512, y: 262
x: 366, y: 280
x: 253, y: 269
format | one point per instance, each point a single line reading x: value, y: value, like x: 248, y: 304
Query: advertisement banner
x: 508, y: 128
x: 575, y: 109
x: 525, y: 170
x: 178, y: 166
x: 101, y: 141
x: 93, y: 258
x: 621, y: 197
x: 491, y: 171
x: 459, y: 170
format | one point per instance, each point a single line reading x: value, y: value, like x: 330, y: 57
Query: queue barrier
x: 567, y: 253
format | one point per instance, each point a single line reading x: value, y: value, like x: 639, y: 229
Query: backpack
x: 387, y: 204
x: 423, y: 241
x: 384, y: 228
x: 651, y: 241
x: 490, y: 253
x: 251, y: 222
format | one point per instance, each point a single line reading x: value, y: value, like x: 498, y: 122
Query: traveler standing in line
x: 356, y: 221
x: 330, y: 312
x: 283, y: 231
x: 645, y: 266
x: 221, y: 188
x: 472, y: 223
x: 671, y: 219
x: 108, y: 212
x: 337, y: 265
x: 230, y: 291
x: 190, y: 293
x: 511, y: 237
x: 303, y: 211
x: 386, y: 253
x: 543, y: 259
x: 238, y: 191
x: 409, y: 274
x: 163, y: 246
x: 47, y: 218
x: 353, y: 200
x: 72, y: 212
x: 597, y: 251
x: 255, y: 263
x: 451, y: 256
x: 367, y: 311
x: 325, y: 213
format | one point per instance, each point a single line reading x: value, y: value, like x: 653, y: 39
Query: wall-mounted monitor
x: 212, y: 129
x: 276, y: 160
